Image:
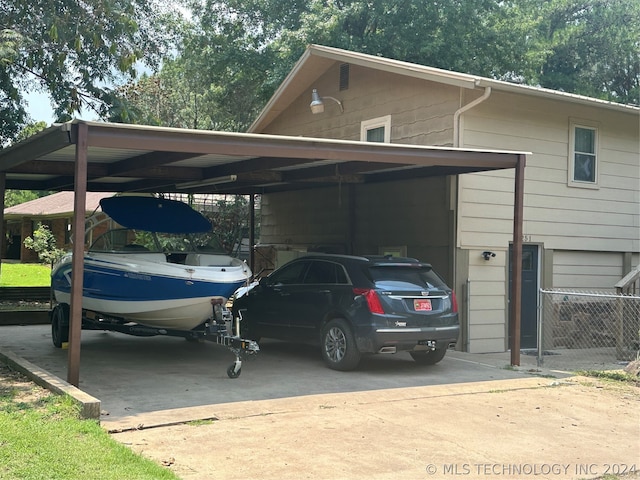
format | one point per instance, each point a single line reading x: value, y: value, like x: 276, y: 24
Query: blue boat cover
x: 154, y: 214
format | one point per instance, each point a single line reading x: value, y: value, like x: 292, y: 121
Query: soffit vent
x: 344, y: 76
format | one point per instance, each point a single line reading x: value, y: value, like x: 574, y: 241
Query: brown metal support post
x: 252, y: 233
x: 77, y: 267
x: 3, y: 184
x: 352, y: 220
x: 516, y: 272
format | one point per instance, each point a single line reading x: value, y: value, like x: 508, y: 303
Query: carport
x: 89, y: 156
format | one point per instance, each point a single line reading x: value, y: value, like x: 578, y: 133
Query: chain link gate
x: 587, y: 330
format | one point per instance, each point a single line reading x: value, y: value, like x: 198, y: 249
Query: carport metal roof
x: 137, y: 158
x: 93, y: 156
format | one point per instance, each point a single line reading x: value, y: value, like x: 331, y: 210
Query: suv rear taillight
x: 373, y: 301
x: 454, y: 302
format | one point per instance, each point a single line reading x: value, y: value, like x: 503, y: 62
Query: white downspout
x: 458, y: 143
x: 456, y: 116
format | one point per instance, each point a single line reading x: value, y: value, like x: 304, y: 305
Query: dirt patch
x: 16, y: 385
x: 554, y: 429
x: 577, y: 428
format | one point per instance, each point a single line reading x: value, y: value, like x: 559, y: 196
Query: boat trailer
x: 214, y: 331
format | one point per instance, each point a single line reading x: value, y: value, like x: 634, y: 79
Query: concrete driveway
x: 289, y: 417
x: 132, y: 376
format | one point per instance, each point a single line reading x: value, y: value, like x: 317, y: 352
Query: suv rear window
x: 413, y: 275
x: 321, y: 272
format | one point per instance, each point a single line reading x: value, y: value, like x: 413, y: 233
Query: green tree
x: 230, y: 222
x: 16, y: 197
x: 30, y: 129
x: 169, y: 98
x: 74, y: 51
x: 43, y: 243
x: 591, y: 47
x: 233, y: 55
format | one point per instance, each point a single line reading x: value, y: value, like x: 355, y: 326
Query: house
x: 55, y: 211
x: 582, y: 182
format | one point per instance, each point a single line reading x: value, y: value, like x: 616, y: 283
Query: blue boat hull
x: 165, y: 295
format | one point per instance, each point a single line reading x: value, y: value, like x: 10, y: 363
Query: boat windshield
x: 131, y: 240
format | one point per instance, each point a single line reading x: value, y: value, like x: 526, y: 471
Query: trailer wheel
x: 232, y: 372
x: 60, y: 324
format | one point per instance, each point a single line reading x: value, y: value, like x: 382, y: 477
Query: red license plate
x: 422, y: 305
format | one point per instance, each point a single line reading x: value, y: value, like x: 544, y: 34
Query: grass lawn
x: 42, y: 437
x: 25, y: 275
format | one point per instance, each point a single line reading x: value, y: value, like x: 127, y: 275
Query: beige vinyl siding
x: 556, y: 215
x: 422, y: 112
x: 586, y: 231
x: 487, y: 307
x: 586, y: 270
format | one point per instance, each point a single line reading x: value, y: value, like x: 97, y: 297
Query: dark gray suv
x: 353, y: 306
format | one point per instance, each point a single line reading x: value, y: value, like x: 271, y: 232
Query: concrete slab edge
x: 275, y: 406
x: 89, y: 406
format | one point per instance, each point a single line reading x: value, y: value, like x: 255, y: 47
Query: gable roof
x: 317, y: 59
x: 57, y: 204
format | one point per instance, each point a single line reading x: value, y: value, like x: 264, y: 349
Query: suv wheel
x: 429, y: 358
x: 339, y: 350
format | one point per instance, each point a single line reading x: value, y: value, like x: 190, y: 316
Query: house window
x: 376, y: 130
x: 583, y: 159
x: 67, y: 231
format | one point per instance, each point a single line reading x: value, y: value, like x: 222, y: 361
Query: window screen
x: 584, y: 169
x: 375, y: 135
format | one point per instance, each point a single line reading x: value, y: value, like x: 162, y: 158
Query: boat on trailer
x: 150, y: 271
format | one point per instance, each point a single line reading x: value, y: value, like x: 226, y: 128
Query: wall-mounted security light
x: 488, y: 255
x: 317, y: 103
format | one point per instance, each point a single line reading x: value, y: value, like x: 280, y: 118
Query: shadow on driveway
x: 133, y: 375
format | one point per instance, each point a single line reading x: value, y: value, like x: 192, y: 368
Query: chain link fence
x: 587, y: 330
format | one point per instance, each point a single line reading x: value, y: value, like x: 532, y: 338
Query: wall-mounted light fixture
x: 317, y: 104
x: 488, y: 255
x: 208, y: 181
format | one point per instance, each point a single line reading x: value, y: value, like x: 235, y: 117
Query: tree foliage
x: 234, y: 54
x: 16, y: 197
x: 591, y: 47
x: 74, y: 51
x: 230, y: 222
x: 230, y: 56
x: 43, y: 243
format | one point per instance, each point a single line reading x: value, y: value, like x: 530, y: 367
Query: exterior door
x: 529, y: 306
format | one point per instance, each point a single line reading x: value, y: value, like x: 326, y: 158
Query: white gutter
x: 456, y: 116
